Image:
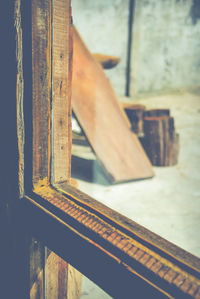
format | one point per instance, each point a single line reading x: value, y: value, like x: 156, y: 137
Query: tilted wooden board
x: 102, y: 119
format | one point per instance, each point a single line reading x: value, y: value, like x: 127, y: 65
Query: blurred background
x: 158, y: 43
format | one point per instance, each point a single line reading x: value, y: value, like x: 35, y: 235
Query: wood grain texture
x: 41, y: 61
x: 61, y: 90
x: 36, y: 269
x: 158, y: 268
x: 37, y: 289
x: 41, y: 93
x: 52, y: 66
x: 14, y: 274
x: 100, y: 209
x: 74, y: 279
x: 73, y: 283
x: 135, y: 114
x: 161, y: 142
x: 28, y: 252
x: 62, y: 280
x: 20, y: 95
x: 100, y: 115
x: 52, y: 275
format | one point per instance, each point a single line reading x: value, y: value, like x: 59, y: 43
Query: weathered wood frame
x: 123, y: 258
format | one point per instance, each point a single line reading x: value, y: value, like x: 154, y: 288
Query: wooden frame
x: 123, y: 258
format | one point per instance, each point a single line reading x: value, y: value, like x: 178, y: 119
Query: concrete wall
x: 166, y: 46
x: 165, y: 49
x: 103, y: 25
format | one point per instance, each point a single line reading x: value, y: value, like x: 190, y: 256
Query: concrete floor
x: 169, y: 203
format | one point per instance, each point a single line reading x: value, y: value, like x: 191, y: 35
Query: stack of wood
x: 157, y: 134
x: 135, y: 114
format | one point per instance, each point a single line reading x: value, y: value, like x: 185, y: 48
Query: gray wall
x: 165, y: 49
x: 103, y: 25
x: 166, y: 46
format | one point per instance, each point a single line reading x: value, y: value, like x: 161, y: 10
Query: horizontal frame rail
x: 110, y: 253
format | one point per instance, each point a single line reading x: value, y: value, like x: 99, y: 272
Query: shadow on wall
x: 88, y: 170
x: 195, y: 11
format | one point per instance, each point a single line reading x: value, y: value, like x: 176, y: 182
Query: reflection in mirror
x: 159, y: 56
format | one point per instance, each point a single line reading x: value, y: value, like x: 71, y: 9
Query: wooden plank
x: 161, y: 142
x: 36, y: 269
x: 117, y: 258
x: 51, y: 275
x: 74, y: 283
x: 61, y: 278
x: 41, y: 86
x: 52, y: 65
x: 41, y: 43
x: 95, y: 206
x: 19, y: 95
x: 22, y: 264
x: 100, y: 115
x: 135, y: 114
x: 61, y: 90
x: 62, y: 281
